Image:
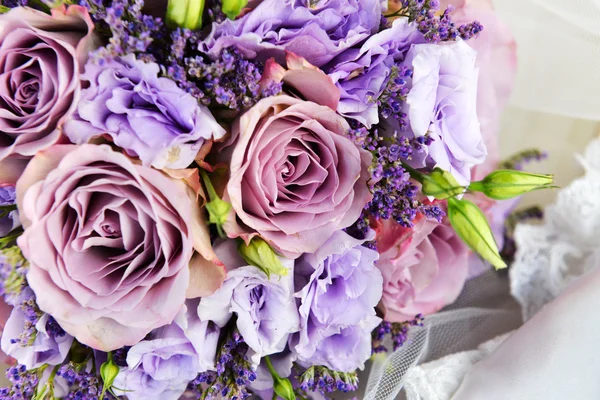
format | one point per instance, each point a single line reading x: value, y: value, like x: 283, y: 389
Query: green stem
x: 12, y: 236
x: 416, y: 175
x: 270, y: 366
x: 212, y: 194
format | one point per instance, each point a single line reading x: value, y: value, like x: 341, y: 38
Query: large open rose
x: 109, y: 243
x: 295, y: 176
x: 40, y: 59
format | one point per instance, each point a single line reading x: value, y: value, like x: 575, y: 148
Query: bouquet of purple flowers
x: 214, y: 199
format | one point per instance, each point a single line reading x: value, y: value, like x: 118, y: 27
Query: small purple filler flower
x: 317, y: 30
x: 9, y: 219
x: 363, y: 73
x: 148, y: 116
x: 337, y: 304
x: 34, y: 338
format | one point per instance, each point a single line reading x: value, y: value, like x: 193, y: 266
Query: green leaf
x: 472, y: 227
x: 261, y: 255
x: 4, y: 9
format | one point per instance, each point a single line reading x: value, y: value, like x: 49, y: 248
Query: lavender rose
x: 424, y: 268
x: 163, y: 365
x: 295, y: 176
x: 339, y: 289
x: 362, y: 74
x: 315, y: 30
x: 442, y: 102
x: 108, y: 243
x: 149, y: 117
x: 265, y: 307
x: 40, y: 60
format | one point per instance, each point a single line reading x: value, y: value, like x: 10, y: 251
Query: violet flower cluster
x: 225, y: 211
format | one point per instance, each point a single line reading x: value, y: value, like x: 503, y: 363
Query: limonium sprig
x: 397, y: 331
x: 395, y: 195
x: 232, y: 376
x: 325, y: 381
x: 436, y: 25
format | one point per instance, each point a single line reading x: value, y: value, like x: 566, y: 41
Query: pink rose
x: 423, y: 268
x: 295, y: 176
x: 109, y: 243
x: 41, y: 57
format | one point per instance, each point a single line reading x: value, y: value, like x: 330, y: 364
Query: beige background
x: 561, y: 137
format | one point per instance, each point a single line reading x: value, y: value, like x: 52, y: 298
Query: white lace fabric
x: 565, y: 246
x: 550, y: 256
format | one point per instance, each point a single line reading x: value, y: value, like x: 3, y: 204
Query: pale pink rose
x: 295, y: 176
x: 109, y: 243
x: 424, y: 268
x: 41, y: 57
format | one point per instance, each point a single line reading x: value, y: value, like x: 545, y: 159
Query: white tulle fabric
x: 530, y: 360
x: 558, y: 53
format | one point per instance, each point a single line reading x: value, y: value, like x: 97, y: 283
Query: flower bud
x: 185, y: 13
x: 281, y: 386
x: 471, y: 226
x: 441, y: 185
x: 261, y: 255
x: 232, y: 8
x: 108, y: 372
x: 507, y: 184
x: 218, y: 209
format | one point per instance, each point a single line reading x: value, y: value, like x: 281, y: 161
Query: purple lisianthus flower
x: 162, y: 366
x: 317, y: 30
x: 10, y: 221
x: 265, y: 307
x: 49, y: 345
x: 340, y: 288
x: 362, y: 73
x: 442, y: 102
x: 148, y: 116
